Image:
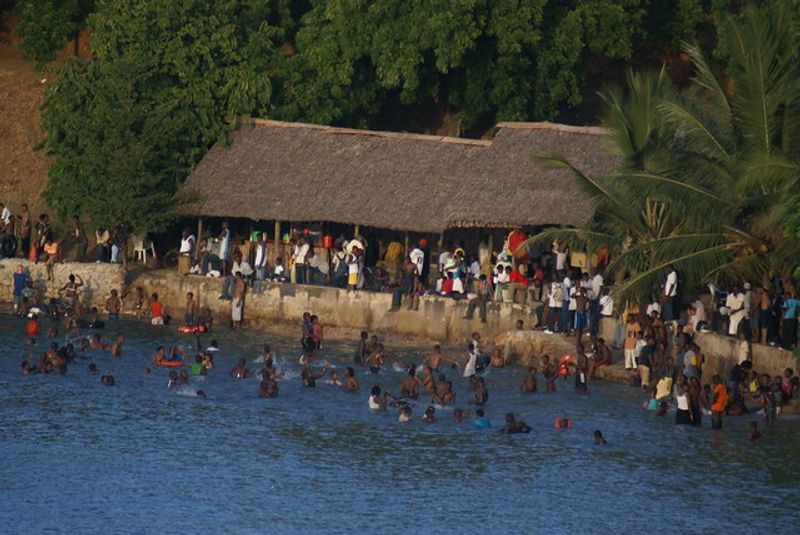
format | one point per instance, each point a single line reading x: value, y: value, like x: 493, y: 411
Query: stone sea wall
x: 438, y: 319
x: 98, y: 280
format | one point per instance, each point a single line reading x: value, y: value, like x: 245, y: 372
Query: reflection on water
x: 76, y: 456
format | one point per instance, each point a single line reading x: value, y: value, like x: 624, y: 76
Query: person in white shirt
x: 596, y: 283
x: 606, y: 304
x: 566, y: 286
x: 224, y: 247
x: 735, y: 305
x: 318, y: 268
x: 671, y: 307
x: 5, y: 213
x: 554, y: 299
x: 262, y: 254
x: 418, y: 258
x: 444, y: 256
x: 299, y: 258
x: 653, y: 307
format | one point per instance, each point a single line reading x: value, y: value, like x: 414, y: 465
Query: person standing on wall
x: 299, y: 257
x: 262, y: 254
x: 79, y: 239
x: 186, y: 252
x: 225, y: 249
x: 670, y: 296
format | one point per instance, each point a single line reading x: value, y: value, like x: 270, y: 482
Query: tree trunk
x: 76, y: 43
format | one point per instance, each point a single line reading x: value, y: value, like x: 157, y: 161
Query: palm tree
x: 704, y: 174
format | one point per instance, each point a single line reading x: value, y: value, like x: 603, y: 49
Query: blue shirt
x: 19, y: 283
x: 791, y: 308
x: 482, y: 422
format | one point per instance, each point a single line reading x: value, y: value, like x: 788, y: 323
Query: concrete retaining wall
x: 437, y: 319
x: 98, y: 280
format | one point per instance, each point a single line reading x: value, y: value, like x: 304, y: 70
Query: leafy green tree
x: 168, y: 81
x: 705, y: 174
x: 498, y: 59
x: 46, y: 26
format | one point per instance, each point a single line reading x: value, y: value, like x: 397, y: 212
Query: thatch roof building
x: 300, y: 172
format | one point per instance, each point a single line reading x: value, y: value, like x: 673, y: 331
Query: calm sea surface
x: 80, y: 457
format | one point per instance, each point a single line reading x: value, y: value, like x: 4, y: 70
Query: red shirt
x: 516, y: 276
x: 155, y: 309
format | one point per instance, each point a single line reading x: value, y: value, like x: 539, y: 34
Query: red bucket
x: 327, y: 242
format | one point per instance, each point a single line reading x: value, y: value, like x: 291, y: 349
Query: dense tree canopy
x: 167, y: 79
x: 127, y: 127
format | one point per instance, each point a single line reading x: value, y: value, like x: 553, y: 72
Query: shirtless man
x: 190, y: 311
x: 435, y: 359
x: 529, y: 381
x: 443, y: 391
x: 240, y: 371
x: 513, y: 426
x: 113, y: 305
x: 116, y: 346
x: 309, y: 378
x: 361, y: 353
x: 549, y: 372
x: 70, y: 289
x: 427, y: 379
x: 375, y: 360
x: 350, y: 382
x: 268, y: 387
x: 408, y: 388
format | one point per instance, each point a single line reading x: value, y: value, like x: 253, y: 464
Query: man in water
x: 350, y: 382
x: 408, y: 388
x: 240, y: 371
x: 529, y: 381
x: 362, y: 352
x: 309, y: 378
x: 598, y: 438
x: 513, y: 426
x: 434, y: 360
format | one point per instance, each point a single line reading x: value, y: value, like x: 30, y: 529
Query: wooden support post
x: 199, y: 237
x: 405, y: 247
x: 488, y: 268
x: 276, y: 242
x: 357, y: 231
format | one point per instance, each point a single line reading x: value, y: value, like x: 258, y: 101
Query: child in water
x: 430, y: 415
x: 405, y: 414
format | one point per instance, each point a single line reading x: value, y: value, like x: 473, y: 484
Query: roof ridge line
x: 547, y: 125
x: 336, y: 130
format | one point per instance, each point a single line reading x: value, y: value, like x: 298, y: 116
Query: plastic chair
x: 140, y: 249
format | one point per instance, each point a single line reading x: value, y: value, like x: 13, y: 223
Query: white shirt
x: 6, y: 215
x: 443, y: 259
x: 187, y: 244
x: 352, y: 264
x: 597, y: 285
x: 300, y: 253
x: 734, y: 302
x: 243, y: 268
x: 671, y: 287
x: 653, y: 307
x: 607, y: 305
x: 551, y: 300
x: 458, y: 286
x: 374, y: 403
x: 320, y: 263
x: 566, y: 285
x: 469, y: 368
x: 225, y: 244
x: 418, y: 257
x: 261, y: 254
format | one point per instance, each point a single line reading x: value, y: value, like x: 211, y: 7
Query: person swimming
x: 598, y: 438
x: 513, y: 426
x: 459, y: 415
x: 529, y: 381
x: 350, y: 382
x: 405, y: 414
x: 481, y: 421
x: 240, y: 371
x: 754, y: 433
x: 334, y: 379
x: 376, y: 402
x: 173, y: 380
x: 430, y: 415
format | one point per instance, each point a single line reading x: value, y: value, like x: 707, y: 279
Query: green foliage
x: 503, y: 59
x: 706, y: 173
x: 46, y: 26
x: 168, y: 79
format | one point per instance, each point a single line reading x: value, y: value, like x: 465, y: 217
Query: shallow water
x: 79, y: 457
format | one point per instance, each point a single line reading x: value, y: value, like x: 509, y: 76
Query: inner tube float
x: 171, y: 363
x: 192, y: 329
x: 563, y: 369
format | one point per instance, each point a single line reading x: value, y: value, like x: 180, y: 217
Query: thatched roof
x: 299, y: 172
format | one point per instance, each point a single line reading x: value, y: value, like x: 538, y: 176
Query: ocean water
x: 80, y: 457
